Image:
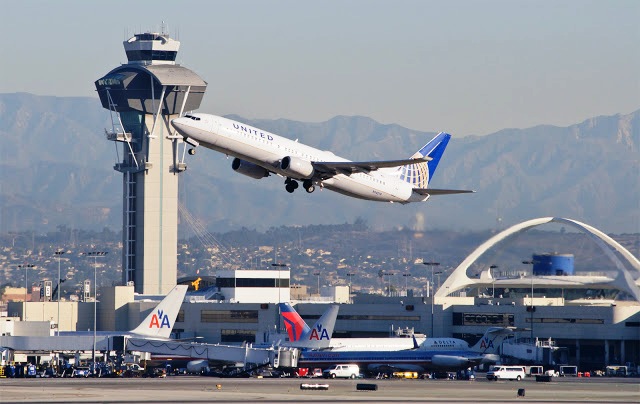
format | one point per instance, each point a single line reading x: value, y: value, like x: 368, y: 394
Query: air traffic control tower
x: 143, y: 96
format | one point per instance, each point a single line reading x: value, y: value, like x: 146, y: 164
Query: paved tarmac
x: 194, y: 389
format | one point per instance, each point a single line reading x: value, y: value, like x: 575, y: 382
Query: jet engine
x: 198, y: 366
x: 449, y: 362
x: 249, y: 169
x: 296, y: 168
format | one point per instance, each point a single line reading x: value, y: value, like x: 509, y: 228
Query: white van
x: 349, y: 371
x: 506, y: 372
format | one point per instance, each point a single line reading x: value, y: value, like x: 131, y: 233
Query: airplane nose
x: 179, y: 124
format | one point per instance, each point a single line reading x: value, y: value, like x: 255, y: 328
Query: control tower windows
x: 134, y: 55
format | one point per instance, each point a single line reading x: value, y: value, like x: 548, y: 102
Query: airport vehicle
x: 348, y: 371
x: 506, y: 373
x: 568, y: 370
x: 259, y: 154
x: 416, y: 360
x: 81, y: 371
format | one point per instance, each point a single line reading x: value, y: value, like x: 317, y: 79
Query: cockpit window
x: 195, y: 118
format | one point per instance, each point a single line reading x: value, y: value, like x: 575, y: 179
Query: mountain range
x: 57, y: 169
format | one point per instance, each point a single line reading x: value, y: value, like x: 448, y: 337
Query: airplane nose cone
x: 179, y: 124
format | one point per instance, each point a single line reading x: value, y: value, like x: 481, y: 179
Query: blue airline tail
x: 419, y: 175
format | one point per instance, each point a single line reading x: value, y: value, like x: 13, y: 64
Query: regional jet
x: 259, y: 154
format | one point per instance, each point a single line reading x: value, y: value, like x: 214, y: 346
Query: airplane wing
x: 329, y: 169
x: 432, y: 191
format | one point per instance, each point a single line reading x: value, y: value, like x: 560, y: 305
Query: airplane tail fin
x: 295, y: 325
x: 420, y: 174
x: 491, y: 340
x: 316, y: 337
x: 159, y: 322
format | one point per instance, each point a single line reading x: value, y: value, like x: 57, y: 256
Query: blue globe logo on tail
x: 420, y: 174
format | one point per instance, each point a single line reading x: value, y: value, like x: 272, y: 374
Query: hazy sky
x: 467, y: 67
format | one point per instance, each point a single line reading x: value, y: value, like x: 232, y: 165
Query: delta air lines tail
x: 259, y: 154
x: 303, y: 336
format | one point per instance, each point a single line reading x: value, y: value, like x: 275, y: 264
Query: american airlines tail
x: 491, y: 340
x: 301, y: 335
x: 159, y: 322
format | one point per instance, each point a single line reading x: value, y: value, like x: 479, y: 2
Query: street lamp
x: 317, y: 274
x: 388, y: 275
x: 493, y: 281
x: 350, y: 275
x: 26, y: 268
x: 95, y: 255
x: 531, y: 308
x: 406, y: 283
x: 58, y: 255
x: 279, y: 281
x: 431, y: 264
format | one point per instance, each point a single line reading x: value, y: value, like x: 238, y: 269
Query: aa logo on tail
x: 159, y: 320
x: 319, y: 333
x: 486, y: 343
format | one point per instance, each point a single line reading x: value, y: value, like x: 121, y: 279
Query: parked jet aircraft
x: 394, y: 353
x: 157, y: 325
x: 258, y: 154
x: 417, y: 360
x: 296, y: 326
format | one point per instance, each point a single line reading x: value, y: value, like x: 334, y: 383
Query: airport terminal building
x: 591, y: 334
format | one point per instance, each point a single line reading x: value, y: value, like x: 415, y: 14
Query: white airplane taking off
x: 258, y: 154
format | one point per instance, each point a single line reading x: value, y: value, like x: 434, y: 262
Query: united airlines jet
x: 259, y: 154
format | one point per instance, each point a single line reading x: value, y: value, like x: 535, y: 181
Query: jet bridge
x: 239, y: 355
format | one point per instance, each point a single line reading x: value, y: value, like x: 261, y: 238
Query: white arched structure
x: 627, y: 279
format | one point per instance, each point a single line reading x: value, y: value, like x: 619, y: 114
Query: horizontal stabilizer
x: 351, y: 167
x: 431, y: 191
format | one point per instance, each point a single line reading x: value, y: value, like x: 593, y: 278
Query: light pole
x: 388, y: 275
x: 95, y: 255
x: 406, y: 283
x: 58, y: 254
x: 431, y: 264
x: 493, y: 281
x: 279, y: 286
x: 531, y: 308
x: 317, y: 274
x: 26, y: 268
x: 350, y: 275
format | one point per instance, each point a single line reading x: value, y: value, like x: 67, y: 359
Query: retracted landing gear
x: 308, y: 186
x: 290, y: 185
